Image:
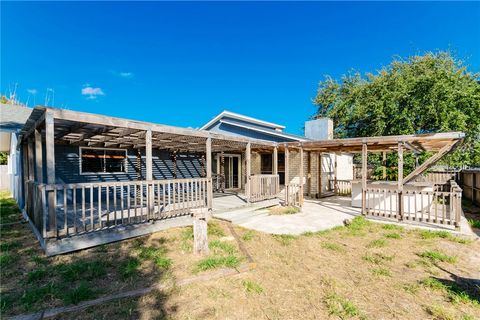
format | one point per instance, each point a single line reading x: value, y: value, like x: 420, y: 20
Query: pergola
x: 440, y: 143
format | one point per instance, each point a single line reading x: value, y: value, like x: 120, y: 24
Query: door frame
x: 240, y: 177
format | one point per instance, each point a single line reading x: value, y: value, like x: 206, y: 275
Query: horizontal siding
x: 67, y: 166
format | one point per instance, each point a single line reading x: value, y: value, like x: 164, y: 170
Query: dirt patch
x: 281, y: 210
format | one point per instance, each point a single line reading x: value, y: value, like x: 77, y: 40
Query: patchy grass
x: 435, y: 256
x: 393, y: 235
x: 341, y: 307
x: 252, y: 287
x: 381, y: 271
x: 218, y: 262
x: 129, y: 267
x: 332, y: 246
x: 248, y: 235
x: 431, y: 234
x: 392, y: 227
x: 214, y: 229
x: 9, y: 211
x: 452, y: 290
x: 377, y: 243
x: 439, y: 312
x: 279, y: 210
x: 222, y: 246
x: 284, y: 239
x: 377, y: 258
x: 78, y: 294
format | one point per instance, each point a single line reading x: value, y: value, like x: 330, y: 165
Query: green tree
x: 421, y: 94
x: 3, y: 158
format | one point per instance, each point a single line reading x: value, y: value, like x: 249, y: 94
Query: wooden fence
x: 264, y: 187
x: 87, y: 207
x: 292, y: 194
x: 438, y: 206
x: 440, y: 176
x: 470, y: 183
x: 4, y: 178
x: 341, y: 187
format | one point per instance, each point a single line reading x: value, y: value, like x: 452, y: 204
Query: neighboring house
x: 12, y: 120
x: 232, y: 165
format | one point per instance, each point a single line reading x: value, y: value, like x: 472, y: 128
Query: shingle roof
x: 13, y: 117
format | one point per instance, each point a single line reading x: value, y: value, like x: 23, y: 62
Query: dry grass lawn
x: 364, y: 271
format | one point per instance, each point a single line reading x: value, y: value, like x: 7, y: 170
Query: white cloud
x: 92, y: 93
x: 126, y: 74
x: 32, y: 91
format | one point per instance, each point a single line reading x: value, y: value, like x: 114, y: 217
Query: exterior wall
x: 67, y: 166
x: 255, y: 163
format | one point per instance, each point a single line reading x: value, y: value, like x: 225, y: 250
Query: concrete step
x: 245, y: 212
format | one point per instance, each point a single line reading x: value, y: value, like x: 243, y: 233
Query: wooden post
x: 149, y: 173
x: 320, y: 169
x: 275, y: 161
x: 384, y: 164
x: 287, y: 176
x: 248, y: 171
x: 200, y: 231
x: 38, y: 156
x: 301, y: 176
x: 31, y: 160
x: 208, y: 154
x: 400, y: 181
x: 309, y: 173
x: 364, y: 178
x: 335, y: 171
x: 50, y: 162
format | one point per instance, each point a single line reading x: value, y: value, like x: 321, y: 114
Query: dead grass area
x: 280, y: 210
x: 356, y: 272
x: 363, y: 271
x: 31, y: 281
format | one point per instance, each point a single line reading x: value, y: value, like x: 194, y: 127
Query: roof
x: 237, y: 116
x: 271, y: 132
x: 13, y: 117
x: 87, y: 129
x: 416, y: 143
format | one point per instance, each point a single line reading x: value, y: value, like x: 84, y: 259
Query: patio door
x: 231, y: 170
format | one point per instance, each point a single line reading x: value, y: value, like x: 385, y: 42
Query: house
x: 12, y: 120
x: 89, y: 179
x: 319, y: 180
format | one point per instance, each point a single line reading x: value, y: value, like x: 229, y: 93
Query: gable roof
x: 266, y: 131
x: 238, y: 116
x: 13, y: 117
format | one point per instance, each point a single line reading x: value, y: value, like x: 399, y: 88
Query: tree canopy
x: 421, y: 94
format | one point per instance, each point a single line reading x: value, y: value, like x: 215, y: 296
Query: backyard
x: 363, y: 271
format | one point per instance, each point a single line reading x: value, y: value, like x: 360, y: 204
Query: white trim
x: 241, y: 117
x: 101, y: 173
x: 278, y: 134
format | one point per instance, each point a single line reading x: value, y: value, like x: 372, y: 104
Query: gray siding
x: 67, y: 166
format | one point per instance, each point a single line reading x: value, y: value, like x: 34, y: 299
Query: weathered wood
x: 200, y: 238
x: 248, y: 169
x: 38, y: 156
x: 50, y: 164
x: 287, y: 175
x: 400, y: 181
x: 384, y: 165
x: 301, y: 177
x: 335, y: 174
x: 208, y: 153
x: 364, y: 176
x: 320, y: 170
x: 149, y: 173
x: 275, y: 161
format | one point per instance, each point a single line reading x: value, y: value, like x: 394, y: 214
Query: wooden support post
x: 287, y: 176
x: 301, y: 176
x: 149, y: 173
x: 320, y: 169
x: 335, y: 172
x: 309, y: 173
x: 364, y: 178
x: 400, y: 181
x: 31, y: 159
x: 38, y: 156
x: 50, y: 162
x: 208, y: 154
x: 275, y: 161
x: 248, y: 169
x: 384, y: 165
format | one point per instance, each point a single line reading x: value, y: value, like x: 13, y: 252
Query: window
x: 102, y: 160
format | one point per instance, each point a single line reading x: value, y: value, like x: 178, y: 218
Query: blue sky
x: 182, y: 63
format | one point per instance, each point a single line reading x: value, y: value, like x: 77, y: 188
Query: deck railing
x: 440, y: 177
x: 86, y: 207
x: 292, y: 194
x: 341, y: 187
x: 264, y: 187
x: 437, y: 206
